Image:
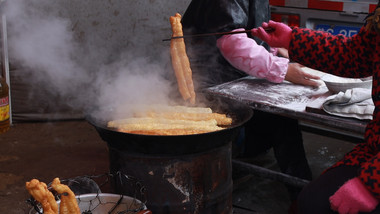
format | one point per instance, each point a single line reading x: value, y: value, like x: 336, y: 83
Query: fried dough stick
x: 180, y: 61
x: 168, y: 131
x: 38, y: 190
x: 69, y: 204
x: 148, y: 123
x: 221, y: 119
x: 177, y: 108
x: 163, y: 126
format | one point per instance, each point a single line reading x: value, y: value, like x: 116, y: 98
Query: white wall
x: 38, y: 48
x: 119, y: 25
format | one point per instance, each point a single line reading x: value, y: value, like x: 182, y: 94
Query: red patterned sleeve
x: 339, y: 55
x: 369, y: 161
x: 369, y: 174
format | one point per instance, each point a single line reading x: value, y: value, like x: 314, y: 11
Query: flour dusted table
x: 294, y: 101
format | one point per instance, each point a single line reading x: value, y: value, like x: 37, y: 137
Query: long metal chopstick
x: 214, y: 34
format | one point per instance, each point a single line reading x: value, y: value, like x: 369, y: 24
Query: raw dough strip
x: 180, y: 61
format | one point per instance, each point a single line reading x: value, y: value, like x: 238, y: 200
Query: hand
x: 353, y: 197
x: 296, y: 75
x: 279, y: 37
x: 283, y: 52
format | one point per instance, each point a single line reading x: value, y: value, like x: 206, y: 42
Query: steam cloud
x: 44, y: 41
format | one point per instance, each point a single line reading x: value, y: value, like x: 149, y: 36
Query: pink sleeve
x: 246, y: 55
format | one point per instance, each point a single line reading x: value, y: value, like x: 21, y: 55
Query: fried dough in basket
x: 39, y: 191
x: 69, y: 204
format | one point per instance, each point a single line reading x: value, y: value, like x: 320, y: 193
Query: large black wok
x: 178, y: 144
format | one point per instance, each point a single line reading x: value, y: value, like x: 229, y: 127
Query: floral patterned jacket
x: 356, y: 56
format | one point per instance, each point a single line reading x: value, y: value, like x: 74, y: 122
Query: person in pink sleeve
x: 218, y: 59
x: 352, y: 185
x: 245, y: 54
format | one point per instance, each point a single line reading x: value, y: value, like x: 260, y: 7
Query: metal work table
x: 287, y: 99
x: 290, y: 100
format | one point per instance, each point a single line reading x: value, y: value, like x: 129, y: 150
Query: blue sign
x: 338, y: 29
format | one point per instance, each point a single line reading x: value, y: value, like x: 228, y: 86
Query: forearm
x: 246, y: 55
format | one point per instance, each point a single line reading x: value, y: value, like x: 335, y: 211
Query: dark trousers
x: 314, y: 198
x: 283, y: 134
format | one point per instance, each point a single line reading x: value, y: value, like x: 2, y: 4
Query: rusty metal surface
x: 191, y: 183
x: 284, y: 99
x: 270, y: 174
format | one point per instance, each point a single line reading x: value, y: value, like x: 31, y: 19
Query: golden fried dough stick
x: 161, y: 129
x: 221, y: 119
x: 178, y: 108
x: 176, y: 60
x: 141, y: 109
x: 171, y: 120
x: 180, y: 60
x: 148, y: 123
x: 69, y: 204
x: 38, y: 190
x: 163, y: 126
x: 183, y: 113
x: 169, y: 131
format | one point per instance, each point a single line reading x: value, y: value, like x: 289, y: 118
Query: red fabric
x: 356, y: 56
x: 372, y: 8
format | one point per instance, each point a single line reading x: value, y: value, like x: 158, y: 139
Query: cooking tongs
x: 269, y: 30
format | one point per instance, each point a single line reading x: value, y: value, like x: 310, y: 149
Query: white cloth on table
x: 356, y: 103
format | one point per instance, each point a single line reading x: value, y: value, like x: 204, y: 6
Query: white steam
x: 44, y: 41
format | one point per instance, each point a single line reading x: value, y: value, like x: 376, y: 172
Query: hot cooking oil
x: 4, y: 106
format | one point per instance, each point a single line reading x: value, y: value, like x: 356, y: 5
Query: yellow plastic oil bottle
x: 4, y: 106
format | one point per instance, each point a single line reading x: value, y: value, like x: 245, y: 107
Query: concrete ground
x: 69, y: 149
x: 267, y: 196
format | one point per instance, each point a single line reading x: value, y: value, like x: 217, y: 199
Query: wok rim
x: 175, y: 145
x: 241, y: 121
